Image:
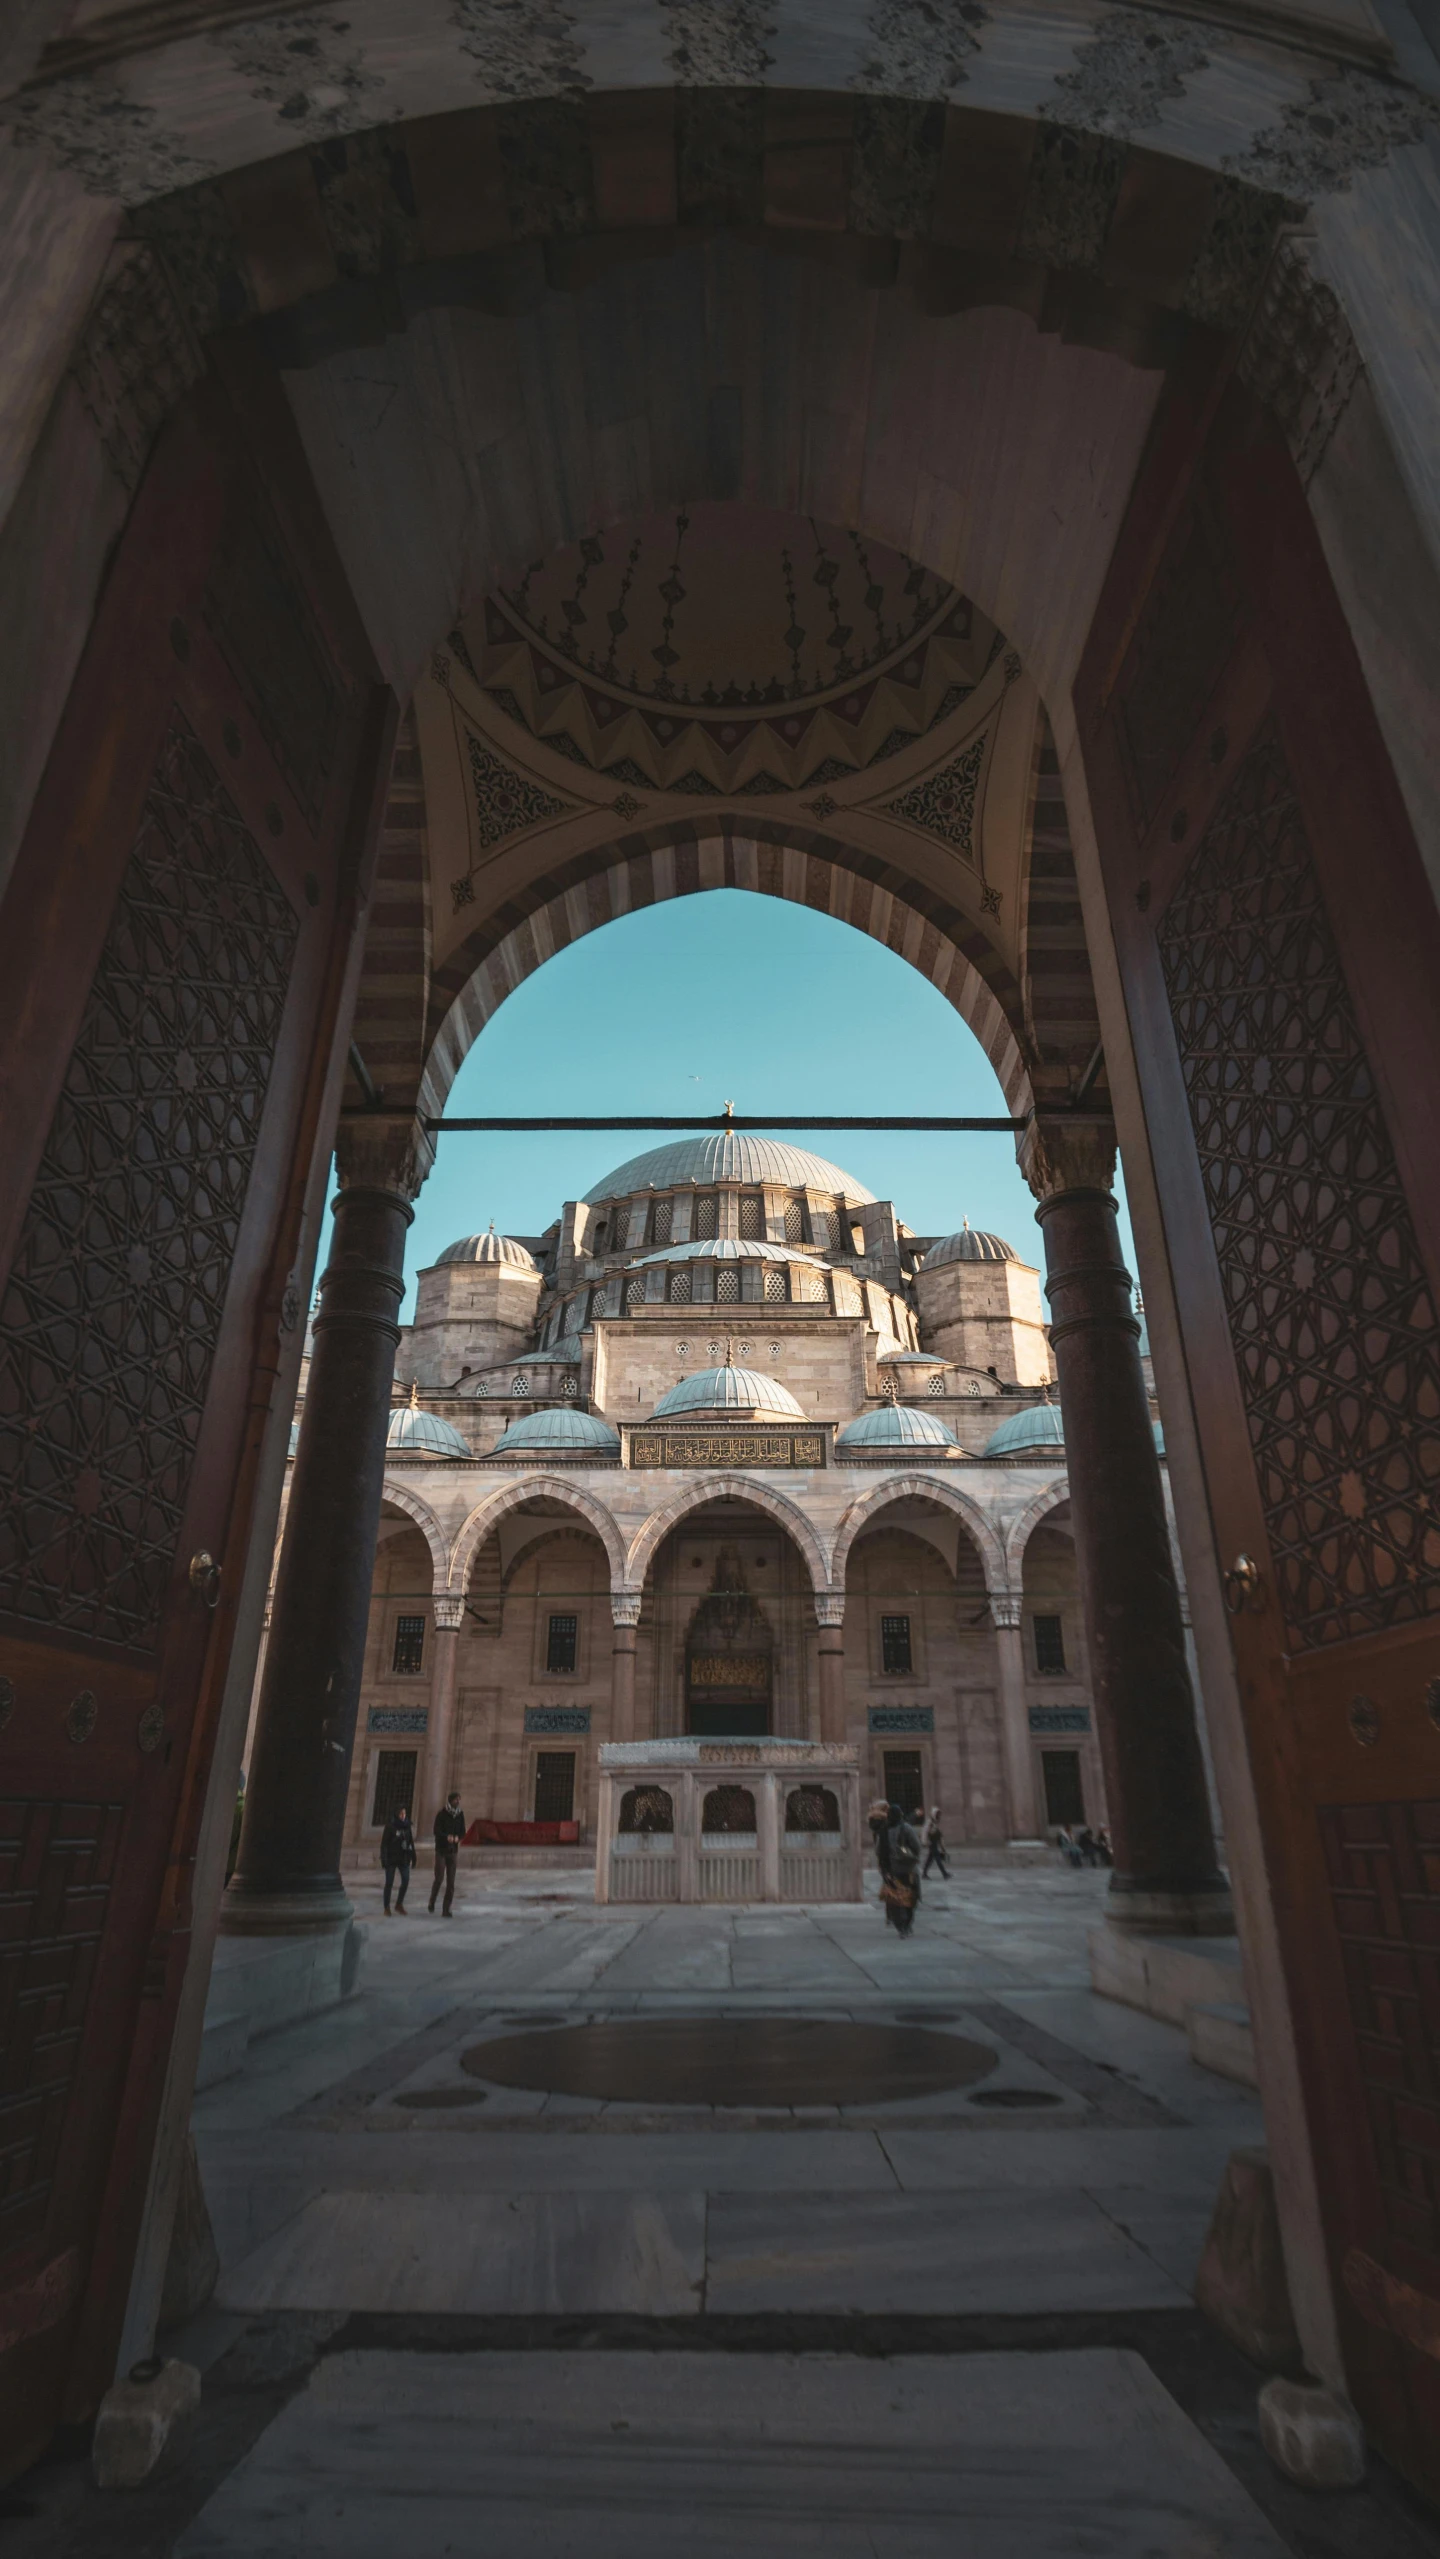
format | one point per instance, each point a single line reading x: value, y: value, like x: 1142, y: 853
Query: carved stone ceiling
x: 726, y: 661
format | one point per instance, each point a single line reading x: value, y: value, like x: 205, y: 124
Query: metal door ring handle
x: 205, y: 1578
x: 1244, y: 1586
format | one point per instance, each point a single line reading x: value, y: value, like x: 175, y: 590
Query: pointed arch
x: 725, y: 1488
x: 1023, y: 1526
x: 488, y: 1514
x: 400, y: 1498
x: 929, y: 1488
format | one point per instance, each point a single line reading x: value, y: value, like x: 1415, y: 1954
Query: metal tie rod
x: 736, y: 1120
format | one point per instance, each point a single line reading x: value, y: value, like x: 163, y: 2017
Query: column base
x: 293, y: 1914
x: 1208, y: 1912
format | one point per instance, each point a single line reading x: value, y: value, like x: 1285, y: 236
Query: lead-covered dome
x: 728, y: 1155
x: 729, y: 1390
x: 971, y: 1244
x: 1039, y: 1430
x: 488, y: 1247
x: 424, y: 1434
x: 560, y: 1434
x: 895, y: 1426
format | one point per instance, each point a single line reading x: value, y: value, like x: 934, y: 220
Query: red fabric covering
x: 522, y: 1835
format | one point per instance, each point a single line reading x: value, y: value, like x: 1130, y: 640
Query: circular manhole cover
x: 733, y: 2061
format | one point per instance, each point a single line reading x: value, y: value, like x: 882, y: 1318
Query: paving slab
x: 612, y: 2456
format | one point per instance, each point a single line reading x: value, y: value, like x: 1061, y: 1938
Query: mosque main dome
x: 728, y: 1155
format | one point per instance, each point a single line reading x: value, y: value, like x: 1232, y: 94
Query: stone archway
x: 726, y: 1488
x: 400, y: 1497
x: 900, y: 1488
x: 514, y: 1496
x: 1022, y: 1527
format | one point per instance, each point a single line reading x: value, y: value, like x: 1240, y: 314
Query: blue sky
x: 722, y: 996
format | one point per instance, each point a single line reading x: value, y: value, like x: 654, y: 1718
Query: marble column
x: 767, y: 1833
x: 442, y: 1742
x: 288, y: 1875
x: 830, y: 1612
x: 625, y: 1617
x: 1022, y: 1809
x: 1166, y: 1878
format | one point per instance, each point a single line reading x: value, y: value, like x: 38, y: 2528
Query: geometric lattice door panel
x: 1333, y: 1325
x: 1383, y: 1862
x: 113, y: 1309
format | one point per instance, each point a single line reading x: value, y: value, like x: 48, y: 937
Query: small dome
x: 562, y: 1354
x: 424, y: 1434
x: 1039, y: 1428
x: 971, y: 1244
x: 728, y: 1390
x: 562, y: 1433
x: 896, y: 1426
x: 488, y: 1247
x: 910, y: 1359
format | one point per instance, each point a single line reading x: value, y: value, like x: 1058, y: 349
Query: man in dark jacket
x: 449, y: 1831
x: 397, y: 1856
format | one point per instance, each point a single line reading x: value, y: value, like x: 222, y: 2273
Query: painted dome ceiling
x: 724, y: 648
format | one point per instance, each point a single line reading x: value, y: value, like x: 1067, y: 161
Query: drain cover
x: 730, y: 2061
x: 1014, y: 2097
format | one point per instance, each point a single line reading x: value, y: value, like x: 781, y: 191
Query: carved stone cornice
x: 1068, y: 1151
x: 383, y: 1151
x: 136, y: 358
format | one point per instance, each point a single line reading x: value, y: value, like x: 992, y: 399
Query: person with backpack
x: 900, y: 1871
x: 397, y: 1856
x: 449, y: 1831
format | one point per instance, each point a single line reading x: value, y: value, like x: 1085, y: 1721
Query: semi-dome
x: 728, y: 1155
x: 970, y: 1244
x: 1039, y: 1428
x: 895, y: 1426
x: 424, y: 1434
x: 562, y: 1433
x: 728, y: 1390
x: 488, y: 1247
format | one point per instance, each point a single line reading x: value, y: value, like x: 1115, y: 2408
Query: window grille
x: 394, y: 1784
x: 727, y: 1286
x: 555, y: 1786
x: 569, y: 1385
x: 895, y: 1644
x: 562, y: 1652
x: 1049, y: 1643
x: 635, y: 1290
x: 794, y: 1221
x: 775, y: 1287
x: 937, y: 1382
x: 660, y: 1224
x: 904, y: 1780
x: 409, y: 1652
x: 519, y: 1383
x: 752, y: 1217
x: 707, y: 1221
x: 680, y: 1288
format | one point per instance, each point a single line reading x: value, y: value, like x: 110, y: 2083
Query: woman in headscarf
x: 897, y: 1854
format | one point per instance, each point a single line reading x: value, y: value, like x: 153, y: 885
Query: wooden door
x: 173, y: 949
x: 1281, y: 961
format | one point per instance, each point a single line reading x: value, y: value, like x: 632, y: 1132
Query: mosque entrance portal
x: 729, y: 1657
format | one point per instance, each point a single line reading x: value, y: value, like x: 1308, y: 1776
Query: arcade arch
x: 522, y: 1494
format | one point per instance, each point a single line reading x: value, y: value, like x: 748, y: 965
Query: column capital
x: 449, y: 1607
x: 829, y: 1607
x: 1006, y: 1606
x: 625, y: 1607
x: 383, y: 1151
x: 1068, y: 1151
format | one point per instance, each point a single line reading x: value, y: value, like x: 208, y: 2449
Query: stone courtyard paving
x: 573, y: 2307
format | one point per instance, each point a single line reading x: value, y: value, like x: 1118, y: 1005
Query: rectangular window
x: 562, y: 1651
x: 904, y: 1780
x: 1064, y: 1794
x: 895, y: 1644
x: 555, y: 1786
x: 752, y: 1216
x: 1049, y: 1643
x: 706, y: 1214
x: 394, y: 1784
x: 409, y: 1644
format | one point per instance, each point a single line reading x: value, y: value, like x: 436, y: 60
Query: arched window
x: 811, y: 1808
x: 752, y: 1216
x: 660, y: 1221
x: 646, y: 1808
x: 795, y: 1222
x: 728, y: 1808
x: 775, y: 1285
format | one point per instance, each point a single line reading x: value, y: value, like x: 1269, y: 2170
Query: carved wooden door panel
x: 172, y: 951
x: 1280, y: 955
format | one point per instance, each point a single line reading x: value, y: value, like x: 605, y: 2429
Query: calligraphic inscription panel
x: 729, y: 1670
x: 1331, y: 1320
x: 1383, y: 1862
x: 727, y: 1448
x: 112, y: 1314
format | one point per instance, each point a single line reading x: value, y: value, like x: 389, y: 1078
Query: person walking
x: 397, y: 1856
x: 934, y: 1846
x: 900, y: 1871
x: 449, y: 1831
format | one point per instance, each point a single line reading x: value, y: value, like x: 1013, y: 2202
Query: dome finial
x: 729, y: 1110
x: 414, y: 1396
